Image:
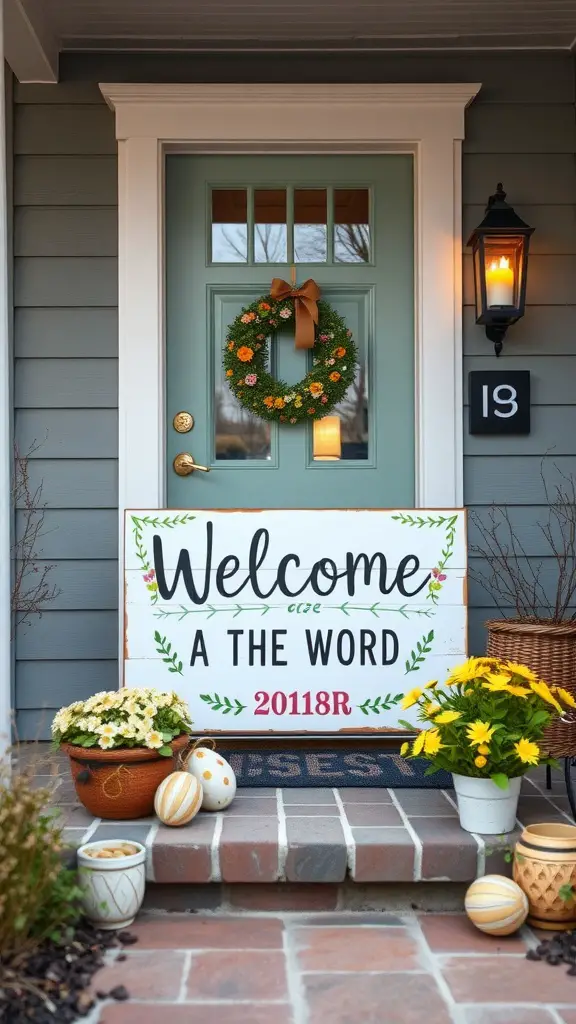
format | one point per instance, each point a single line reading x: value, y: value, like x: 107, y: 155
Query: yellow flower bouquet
x: 123, y: 719
x: 485, y: 725
x: 488, y: 721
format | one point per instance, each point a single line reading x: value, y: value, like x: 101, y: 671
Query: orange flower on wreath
x: 229, y: 373
x: 311, y: 411
x: 264, y: 307
x: 316, y: 388
x: 245, y: 354
x: 269, y: 401
x: 248, y: 318
x: 279, y: 403
x: 231, y: 346
x: 340, y: 352
x: 335, y: 376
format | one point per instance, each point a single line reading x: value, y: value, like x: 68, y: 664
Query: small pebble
x: 572, y: 970
x: 101, y: 994
x: 127, y: 938
x: 121, y: 957
x: 553, y: 960
x: 533, y: 954
x: 120, y: 993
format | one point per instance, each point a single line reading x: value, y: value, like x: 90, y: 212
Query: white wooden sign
x: 294, y: 620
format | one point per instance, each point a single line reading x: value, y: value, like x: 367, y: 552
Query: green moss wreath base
x: 246, y: 353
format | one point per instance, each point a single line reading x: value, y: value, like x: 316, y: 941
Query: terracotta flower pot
x: 121, y: 783
x: 544, y: 862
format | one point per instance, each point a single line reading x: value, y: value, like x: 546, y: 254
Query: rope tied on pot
x: 112, y: 786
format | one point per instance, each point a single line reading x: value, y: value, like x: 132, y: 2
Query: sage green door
x: 232, y: 224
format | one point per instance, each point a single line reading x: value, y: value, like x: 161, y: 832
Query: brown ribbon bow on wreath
x: 305, y: 306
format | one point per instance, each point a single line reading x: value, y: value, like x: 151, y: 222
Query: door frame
x: 426, y: 120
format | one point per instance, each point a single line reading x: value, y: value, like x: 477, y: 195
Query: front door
x: 232, y: 224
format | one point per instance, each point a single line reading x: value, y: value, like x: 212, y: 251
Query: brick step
x: 323, y: 836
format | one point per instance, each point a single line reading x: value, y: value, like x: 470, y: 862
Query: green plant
x: 488, y: 721
x: 123, y: 718
x: 39, y: 897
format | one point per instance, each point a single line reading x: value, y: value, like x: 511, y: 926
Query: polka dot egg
x: 216, y: 777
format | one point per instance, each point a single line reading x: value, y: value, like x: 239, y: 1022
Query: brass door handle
x: 184, y: 465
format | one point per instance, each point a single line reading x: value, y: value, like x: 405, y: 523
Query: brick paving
x: 365, y: 968
x: 308, y: 836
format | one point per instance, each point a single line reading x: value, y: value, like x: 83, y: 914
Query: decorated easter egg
x: 178, y: 798
x: 496, y: 905
x: 215, y: 776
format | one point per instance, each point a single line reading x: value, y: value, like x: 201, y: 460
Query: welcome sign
x: 294, y: 620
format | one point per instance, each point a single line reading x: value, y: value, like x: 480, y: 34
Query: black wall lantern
x: 500, y: 251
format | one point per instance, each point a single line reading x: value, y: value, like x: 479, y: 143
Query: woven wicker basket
x: 550, y: 651
x: 121, y: 784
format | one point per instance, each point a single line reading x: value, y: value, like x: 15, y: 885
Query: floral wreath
x: 246, y: 356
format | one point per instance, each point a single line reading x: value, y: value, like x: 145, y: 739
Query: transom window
x: 290, y: 225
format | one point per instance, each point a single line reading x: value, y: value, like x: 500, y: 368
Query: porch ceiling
x: 184, y: 25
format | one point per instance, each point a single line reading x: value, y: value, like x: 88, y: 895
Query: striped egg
x: 496, y: 905
x: 178, y: 799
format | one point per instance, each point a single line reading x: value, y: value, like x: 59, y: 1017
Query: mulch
x: 559, y: 949
x: 49, y: 985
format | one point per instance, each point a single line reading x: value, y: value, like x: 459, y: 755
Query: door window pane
x: 229, y: 225
x: 352, y: 225
x: 310, y: 222
x: 238, y: 434
x: 270, y: 229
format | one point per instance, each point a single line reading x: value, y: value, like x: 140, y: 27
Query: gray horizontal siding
x: 65, y: 181
x: 78, y: 635
x: 65, y: 281
x: 80, y: 533
x: 66, y: 383
x: 544, y: 330
x: 66, y: 387
x: 62, y: 129
x: 68, y: 433
x: 66, y: 231
x: 83, y: 584
x: 61, y: 333
x: 553, y: 429
x: 76, y: 483
x: 521, y: 130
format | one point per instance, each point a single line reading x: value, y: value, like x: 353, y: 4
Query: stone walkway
x: 331, y: 969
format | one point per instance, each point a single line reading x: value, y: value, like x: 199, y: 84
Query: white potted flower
x: 121, y: 746
x: 486, y: 727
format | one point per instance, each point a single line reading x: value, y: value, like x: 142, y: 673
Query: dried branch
x: 513, y: 578
x: 31, y: 588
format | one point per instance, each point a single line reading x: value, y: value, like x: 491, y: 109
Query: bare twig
x: 31, y: 589
x: 513, y: 579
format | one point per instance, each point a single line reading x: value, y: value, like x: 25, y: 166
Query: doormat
x: 357, y: 768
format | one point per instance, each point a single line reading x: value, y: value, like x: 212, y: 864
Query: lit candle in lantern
x: 500, y: 283
x: 327, y: 444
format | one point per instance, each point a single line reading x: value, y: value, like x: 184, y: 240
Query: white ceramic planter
x: 484, y: 807
x: 113, y: 889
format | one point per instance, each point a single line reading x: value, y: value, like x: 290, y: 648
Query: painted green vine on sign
x: 377, y: 704
x: 418, y: 656
x: 170, y: 657
x: 439, y: 570
x: 223, y: 704
x: 157, y: 523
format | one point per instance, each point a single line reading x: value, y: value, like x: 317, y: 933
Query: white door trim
x: 426, y: 120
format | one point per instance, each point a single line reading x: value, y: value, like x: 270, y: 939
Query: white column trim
x: 426, y: 120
